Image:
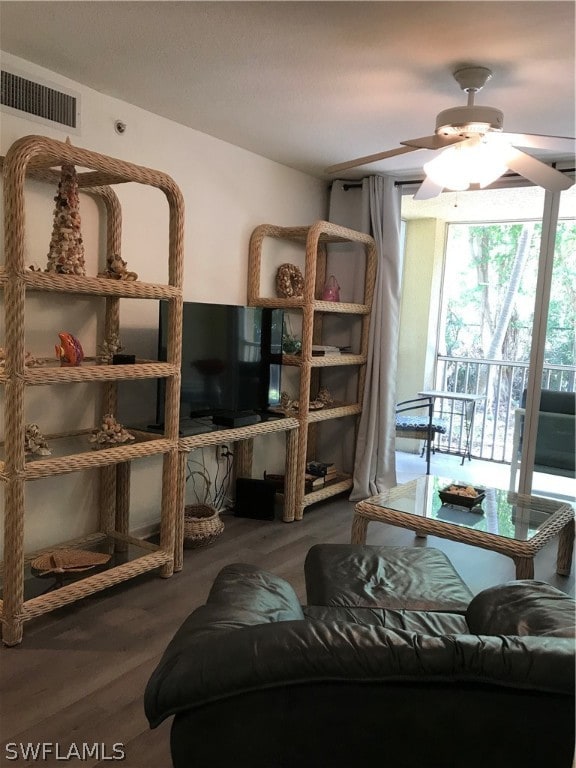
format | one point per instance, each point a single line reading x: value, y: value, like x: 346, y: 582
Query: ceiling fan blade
x: 369, y: 159
x: 536, y: 141
x: 438, y: 141
x: 427, y: 190
x: 536, y: 171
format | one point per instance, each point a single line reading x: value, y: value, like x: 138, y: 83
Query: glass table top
x: 501, y: 512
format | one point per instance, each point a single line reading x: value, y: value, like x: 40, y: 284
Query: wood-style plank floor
x: 80, y: 673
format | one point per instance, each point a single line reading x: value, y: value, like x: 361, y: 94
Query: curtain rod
x: 411, y: 182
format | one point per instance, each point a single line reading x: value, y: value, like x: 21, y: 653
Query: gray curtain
x: 374, y: 461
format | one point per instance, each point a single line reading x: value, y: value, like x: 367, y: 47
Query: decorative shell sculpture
x: 109, y: 347
x: 66, y: 254
x: 34, y: 442
x: 29, y: 360
x: 116, y: 269
x: 69, y: 351
x: 325, y: 396
x: 110, y: 434
x: 287, y: 404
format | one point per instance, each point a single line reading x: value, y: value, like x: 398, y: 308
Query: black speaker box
x: 255, y: 499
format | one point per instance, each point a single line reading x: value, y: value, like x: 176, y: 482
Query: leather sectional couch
x: 393, y: 661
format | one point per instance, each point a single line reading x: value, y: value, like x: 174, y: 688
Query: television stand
x: 242, y: 438
x: 236, y: 418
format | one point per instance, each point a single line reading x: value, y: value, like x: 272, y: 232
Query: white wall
x: 419, y: 311
x: 227, y: 192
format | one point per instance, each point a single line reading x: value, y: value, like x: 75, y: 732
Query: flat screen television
x: 231, y: 359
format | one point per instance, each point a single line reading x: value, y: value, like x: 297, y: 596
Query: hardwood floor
x: 79, y: 675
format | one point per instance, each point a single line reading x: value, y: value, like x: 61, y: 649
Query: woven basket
x: 202, y: 525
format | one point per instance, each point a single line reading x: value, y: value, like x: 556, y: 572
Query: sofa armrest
x: 250, y: 588
x: 522, y: 608
x: 242, y: 596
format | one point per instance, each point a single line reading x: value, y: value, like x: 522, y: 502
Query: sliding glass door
x: 499, y: 318
x: 548, y: 440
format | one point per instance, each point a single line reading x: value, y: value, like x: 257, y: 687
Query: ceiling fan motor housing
x: 469, y: 120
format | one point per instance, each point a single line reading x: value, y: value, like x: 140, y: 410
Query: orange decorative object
x: 70, y: 351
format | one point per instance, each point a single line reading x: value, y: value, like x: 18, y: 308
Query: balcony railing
x: 502, y: 384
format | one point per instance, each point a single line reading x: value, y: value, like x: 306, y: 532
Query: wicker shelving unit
x: 243, y: 438
x: 314, y: 239
x: 36, y: 157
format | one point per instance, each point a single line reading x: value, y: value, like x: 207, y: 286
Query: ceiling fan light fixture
x: 473, y: 119
x: 471, y: 147
x: 446, y: 172
x: 472, y: 162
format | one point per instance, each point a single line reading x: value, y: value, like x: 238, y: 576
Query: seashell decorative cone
x: 66, y: 254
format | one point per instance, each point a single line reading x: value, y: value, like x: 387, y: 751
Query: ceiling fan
x: 471, y: 150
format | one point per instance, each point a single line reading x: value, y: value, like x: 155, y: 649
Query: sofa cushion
x: 525, y: 607
x: 409, y: 578
x: 433, y: 623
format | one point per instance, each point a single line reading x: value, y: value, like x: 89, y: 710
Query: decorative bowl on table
x: 462, y: 495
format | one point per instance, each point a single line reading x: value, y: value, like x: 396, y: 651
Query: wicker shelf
x: 243, y: 437
x: 134, y: 556
x: 323, y: 361
x: 314, y: 239
x: 98, y: 286
x: 344, y: 483
x: 24, y: 596
x: 52, y: 374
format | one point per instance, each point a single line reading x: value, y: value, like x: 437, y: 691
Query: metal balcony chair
x: 423, y: 427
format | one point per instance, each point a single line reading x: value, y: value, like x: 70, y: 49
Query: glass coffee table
x: 509, y: 523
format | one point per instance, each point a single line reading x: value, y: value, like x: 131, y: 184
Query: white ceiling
x: 310, y: 84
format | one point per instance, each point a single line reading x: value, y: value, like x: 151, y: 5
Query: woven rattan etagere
x: 38, y: 158
x: 314, y: 239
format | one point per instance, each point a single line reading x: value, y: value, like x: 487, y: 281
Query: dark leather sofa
x: 555, y: 452
x: 255, y: 680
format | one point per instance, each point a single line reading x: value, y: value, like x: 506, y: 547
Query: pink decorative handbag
x: 331, y: 290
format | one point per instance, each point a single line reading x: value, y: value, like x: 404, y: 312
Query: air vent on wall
x: 40, y: 101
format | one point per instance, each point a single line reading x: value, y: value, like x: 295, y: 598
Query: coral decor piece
x: 29, y: 360
x: 116, y: 269
x: 289, y: 405
x: 325, y: 396
x: 34, y: 442
x: 324, y: 399
x: 66, y: 255
x: 33, y: 362
x: 69, y: 351
x: 109, y: 347
x: 286, y: 402
x: 110, y: 434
